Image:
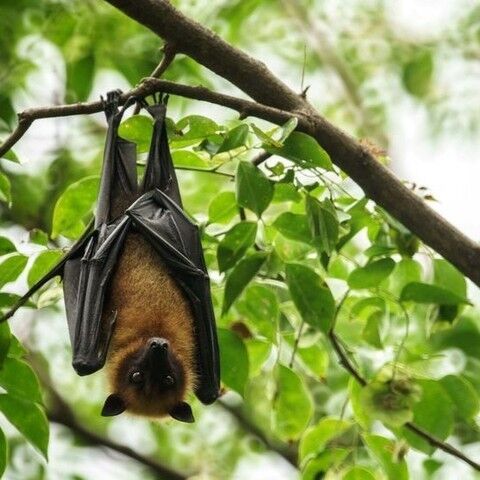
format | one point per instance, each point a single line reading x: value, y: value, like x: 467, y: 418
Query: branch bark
x: 253, y: 77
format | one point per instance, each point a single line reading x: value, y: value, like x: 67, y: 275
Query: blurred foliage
x: 292, y: 247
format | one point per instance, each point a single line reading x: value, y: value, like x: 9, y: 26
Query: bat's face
x: 150, y: 381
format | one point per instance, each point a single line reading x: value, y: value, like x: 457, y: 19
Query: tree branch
x: 258, y: 82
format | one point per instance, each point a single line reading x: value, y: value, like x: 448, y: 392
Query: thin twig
x: 260, y: 158
x: 429, y: 438
x: 169, y: 53
x: 289, y: 453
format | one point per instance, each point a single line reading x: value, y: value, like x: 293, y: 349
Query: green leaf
x: 258, y: 353
x: 371, y: 332
x: 383, y: 450
x: 315, y: 359
x: 448, y: 277
x: 5, y: 189
x: 19, y: 380
x: 293, y: 405
x: 194, y: 128
x: 359, y: 473
x: 235, y: 244
x: 359, y: 413
x: 5, y: 341
x: 293, y: 226
x: 426, y: 293
x: 6, y: 246
x: 372, y: 274
x: 287, y: 128
x: 240, y: 277
x: 268, y: 140
x: 311, y: 296
x: 11, y: 268
x: 3, y: 453
x: 285, y: 192
x: 332, y: 458
x: 44, y: 262
x: 137, y: 129
x: 406, y: 271
x: 302, y: 150
x: 317, y: 438
x: 28, y: 418
x: 222, y: 208
x: 323, y: 223
x: 234, y: 138
x: 418, y: 73
x: 38, y: 236
x: 234, y: 360
x: 260, y: 308
x: 11, y: 156
x: 75, y: 203
x: 433, y: 413
x: 254, y: 189
x: 186, y: 158
x: 463, y: 395
x: 80, y: 74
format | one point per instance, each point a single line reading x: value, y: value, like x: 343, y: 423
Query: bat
x: 136, y: 288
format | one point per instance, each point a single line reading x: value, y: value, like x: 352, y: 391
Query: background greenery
x: 292, y: 246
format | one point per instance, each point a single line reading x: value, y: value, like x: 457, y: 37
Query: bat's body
x: 136, y: 288
x: 149, y: 304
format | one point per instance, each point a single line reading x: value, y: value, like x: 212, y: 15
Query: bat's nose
x: 157, y: 343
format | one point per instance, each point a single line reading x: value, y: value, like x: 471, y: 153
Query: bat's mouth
x: 159, y: 360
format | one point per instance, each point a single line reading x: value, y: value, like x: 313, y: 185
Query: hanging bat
x: 136, y: 288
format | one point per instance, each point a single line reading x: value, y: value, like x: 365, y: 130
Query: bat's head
x: 148, y: 379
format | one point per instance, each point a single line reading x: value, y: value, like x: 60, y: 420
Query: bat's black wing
x: 155, y: 210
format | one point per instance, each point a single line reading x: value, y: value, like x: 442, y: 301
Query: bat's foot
x: 110, y: 105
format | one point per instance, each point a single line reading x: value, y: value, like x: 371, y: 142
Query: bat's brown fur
x: 149, y: 303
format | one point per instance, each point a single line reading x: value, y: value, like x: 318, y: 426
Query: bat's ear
x: 114, y: 405
x: 182, y: 412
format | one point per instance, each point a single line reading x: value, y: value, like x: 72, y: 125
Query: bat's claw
x: 110, y: 105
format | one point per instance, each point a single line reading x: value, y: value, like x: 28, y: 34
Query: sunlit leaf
x: 222, y: 208
x: 234, y: 360
x: 5, y: 189
x: 19, y: 380
x: 137, y: 129
x: 302, y: 150
x: 317, y: 438
x: 293, y: 406
x: 293, y: 226
x: 315, y: 302
x: 6, y: 246
x: 433, y: 413
x: 75, y: 203
x: 383, y: 450
x: 234, y: 138
x: 42, y: 265
x: 11, y: 268
x: 240, y: 277
x: 462, y: 394
x: 29, y: 420
x: 372, y: 274
x: 426, y: 293
x: 254, y: 189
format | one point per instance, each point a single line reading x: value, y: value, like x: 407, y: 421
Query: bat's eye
x: 168, y: 381
x: 136, y: 377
